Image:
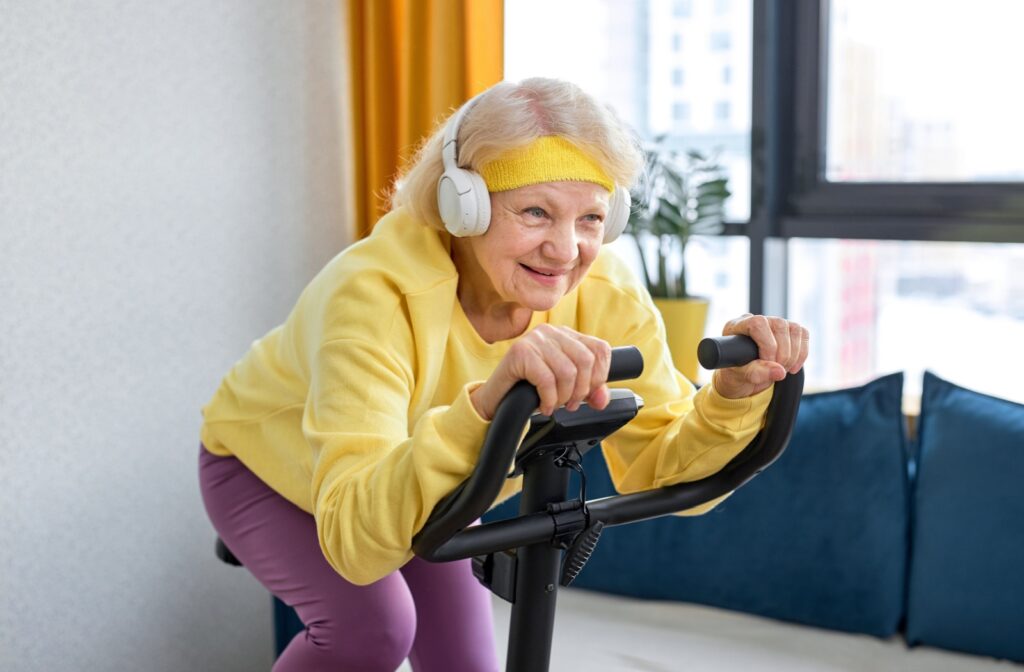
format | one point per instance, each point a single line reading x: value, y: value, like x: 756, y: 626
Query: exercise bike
x: 525, y: 559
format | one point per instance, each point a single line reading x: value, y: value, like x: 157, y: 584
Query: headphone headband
x: 449, y: 148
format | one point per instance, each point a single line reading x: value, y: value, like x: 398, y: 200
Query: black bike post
x: 538, y: 572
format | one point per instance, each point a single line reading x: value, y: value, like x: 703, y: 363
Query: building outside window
x: 681, y: 112
x: 722, y: 111
x: 921, y: 111
x: 721, y: 41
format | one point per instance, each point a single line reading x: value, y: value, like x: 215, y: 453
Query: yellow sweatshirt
x: 351, y: 409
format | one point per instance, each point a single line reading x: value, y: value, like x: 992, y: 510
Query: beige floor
x: 596, y: 632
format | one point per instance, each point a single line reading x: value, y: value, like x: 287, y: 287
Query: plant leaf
x: 681, y: 194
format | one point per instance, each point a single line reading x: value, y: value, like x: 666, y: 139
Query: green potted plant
x: 681, y: 196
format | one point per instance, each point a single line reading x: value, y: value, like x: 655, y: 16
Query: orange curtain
x: 411, y: 62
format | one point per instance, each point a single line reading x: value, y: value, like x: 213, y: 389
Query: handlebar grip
x: 627, y: 363
x: 721, y: 352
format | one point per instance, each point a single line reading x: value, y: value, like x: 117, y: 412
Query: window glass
x: 681, y: 112
x: 924, y: 91
x: 876, y: 307
x: 720, y: 41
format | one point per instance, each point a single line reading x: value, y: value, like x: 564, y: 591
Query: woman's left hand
x: 782, y: 346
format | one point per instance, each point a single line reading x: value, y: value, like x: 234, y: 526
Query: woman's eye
x: 535, y: 212
x: 593, y: 218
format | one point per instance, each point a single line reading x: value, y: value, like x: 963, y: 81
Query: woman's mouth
x: 549, y: 277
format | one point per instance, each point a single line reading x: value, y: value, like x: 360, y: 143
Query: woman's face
x: 540, y: 243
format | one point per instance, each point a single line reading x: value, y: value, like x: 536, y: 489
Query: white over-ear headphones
x: 465, y: 204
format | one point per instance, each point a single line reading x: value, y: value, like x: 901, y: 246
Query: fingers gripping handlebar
x: 437, y: 539
x: 477, y: 493
x: 765, y: 448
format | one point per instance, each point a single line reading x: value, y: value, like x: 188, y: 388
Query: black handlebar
x: 722, y: 352
x: 445, y: 535
x: 627, y: 363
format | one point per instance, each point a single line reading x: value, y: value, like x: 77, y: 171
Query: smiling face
x: 541, y: 241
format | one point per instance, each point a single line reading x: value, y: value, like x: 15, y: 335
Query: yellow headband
x: 549, y: 158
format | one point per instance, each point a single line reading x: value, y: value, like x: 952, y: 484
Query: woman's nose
x: 563, y: 243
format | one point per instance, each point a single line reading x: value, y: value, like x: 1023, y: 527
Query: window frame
x: 790, y: 196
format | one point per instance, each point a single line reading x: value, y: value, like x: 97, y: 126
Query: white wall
x: 170, y: 178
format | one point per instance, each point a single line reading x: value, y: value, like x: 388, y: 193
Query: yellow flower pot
x: 684, y: 322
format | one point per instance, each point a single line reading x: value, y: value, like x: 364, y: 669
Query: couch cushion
x: 967, y: 568
x: 820, y: 537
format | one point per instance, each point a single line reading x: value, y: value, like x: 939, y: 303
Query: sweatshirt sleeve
x: 375, y: 480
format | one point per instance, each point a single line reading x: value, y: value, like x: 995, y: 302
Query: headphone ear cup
x: 449, y: 204
x: 483, y: 203
x: 618, y: 214
x: 463, y: 202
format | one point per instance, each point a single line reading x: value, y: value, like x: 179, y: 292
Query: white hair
x: 509, y: 116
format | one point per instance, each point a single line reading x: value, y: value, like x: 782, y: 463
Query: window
x: 720, y: 41
x: 677, y: 42
x: 926, y: 112
x: 885, y: 129
x: 677, y: 77
x: 726, y: 74
x: 876, y: 307
x: 722, y: 111
x: 682, y: 8
x: 681, y: 112
x: 904, y: 228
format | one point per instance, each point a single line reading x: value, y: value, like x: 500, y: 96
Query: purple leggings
x: 436, y: 615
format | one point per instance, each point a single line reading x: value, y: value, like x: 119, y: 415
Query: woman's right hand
x: 565, y: 366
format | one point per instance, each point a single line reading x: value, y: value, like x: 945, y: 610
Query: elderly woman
x: 328, y: 445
